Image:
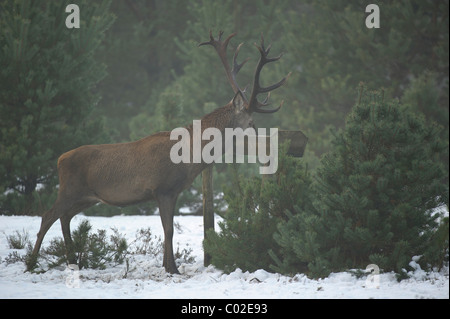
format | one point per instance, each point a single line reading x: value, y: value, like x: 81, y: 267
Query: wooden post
x: 208, y: 206
x: 296, y: 148
x: 298, y: 142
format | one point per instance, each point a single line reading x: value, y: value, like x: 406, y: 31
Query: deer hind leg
x: 70, y: 250
x: 65, y: 227
x: 166, y: 211
x: 64, y: 209
x: 48, y: 219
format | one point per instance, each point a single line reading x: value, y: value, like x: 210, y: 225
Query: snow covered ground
x: 146, y: 278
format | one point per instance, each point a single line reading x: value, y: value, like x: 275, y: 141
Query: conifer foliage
x: 374, y: 194
x: 256, y: 206
x: 48, y: 74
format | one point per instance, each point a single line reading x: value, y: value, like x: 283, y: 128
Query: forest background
x: 134, y: 68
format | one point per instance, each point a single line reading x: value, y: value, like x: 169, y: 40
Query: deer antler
x: 254, y: 105
x: 221, y: 48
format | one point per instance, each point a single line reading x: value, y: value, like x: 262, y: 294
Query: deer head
x: 242, y: 106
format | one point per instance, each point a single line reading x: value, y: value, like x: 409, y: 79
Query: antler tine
x: 220, y: 34
x: 218, y: 44
x: 221, y: 49
x: 265, y: 103
x: 274, y: 86
x: 254, y: 105
x: 266, y: 100
x: 237, y: 66
x: 258, y: 110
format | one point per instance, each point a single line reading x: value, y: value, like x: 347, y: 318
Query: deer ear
x: 239, y: 102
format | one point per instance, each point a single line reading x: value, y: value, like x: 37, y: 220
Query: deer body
x: 119, y: 174
x: 129, y: 173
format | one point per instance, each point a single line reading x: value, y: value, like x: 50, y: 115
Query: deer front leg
x: 166, y: 211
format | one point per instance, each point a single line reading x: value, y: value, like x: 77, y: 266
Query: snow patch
x: 145, y: 277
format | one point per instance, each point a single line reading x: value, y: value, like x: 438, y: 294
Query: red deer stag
x: 129, y: 173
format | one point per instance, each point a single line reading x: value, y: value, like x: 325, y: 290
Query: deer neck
x: 219, y: 119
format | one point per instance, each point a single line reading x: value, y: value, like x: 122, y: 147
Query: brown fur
x: 128, y: 173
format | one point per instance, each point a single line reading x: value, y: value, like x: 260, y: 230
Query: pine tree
x: 430, y: 97
x: 255, y: 207
x: 330, y: 50
x: 375, y: 193
x: 48, y: 77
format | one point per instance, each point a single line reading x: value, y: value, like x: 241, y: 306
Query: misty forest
x: 373, y: 103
